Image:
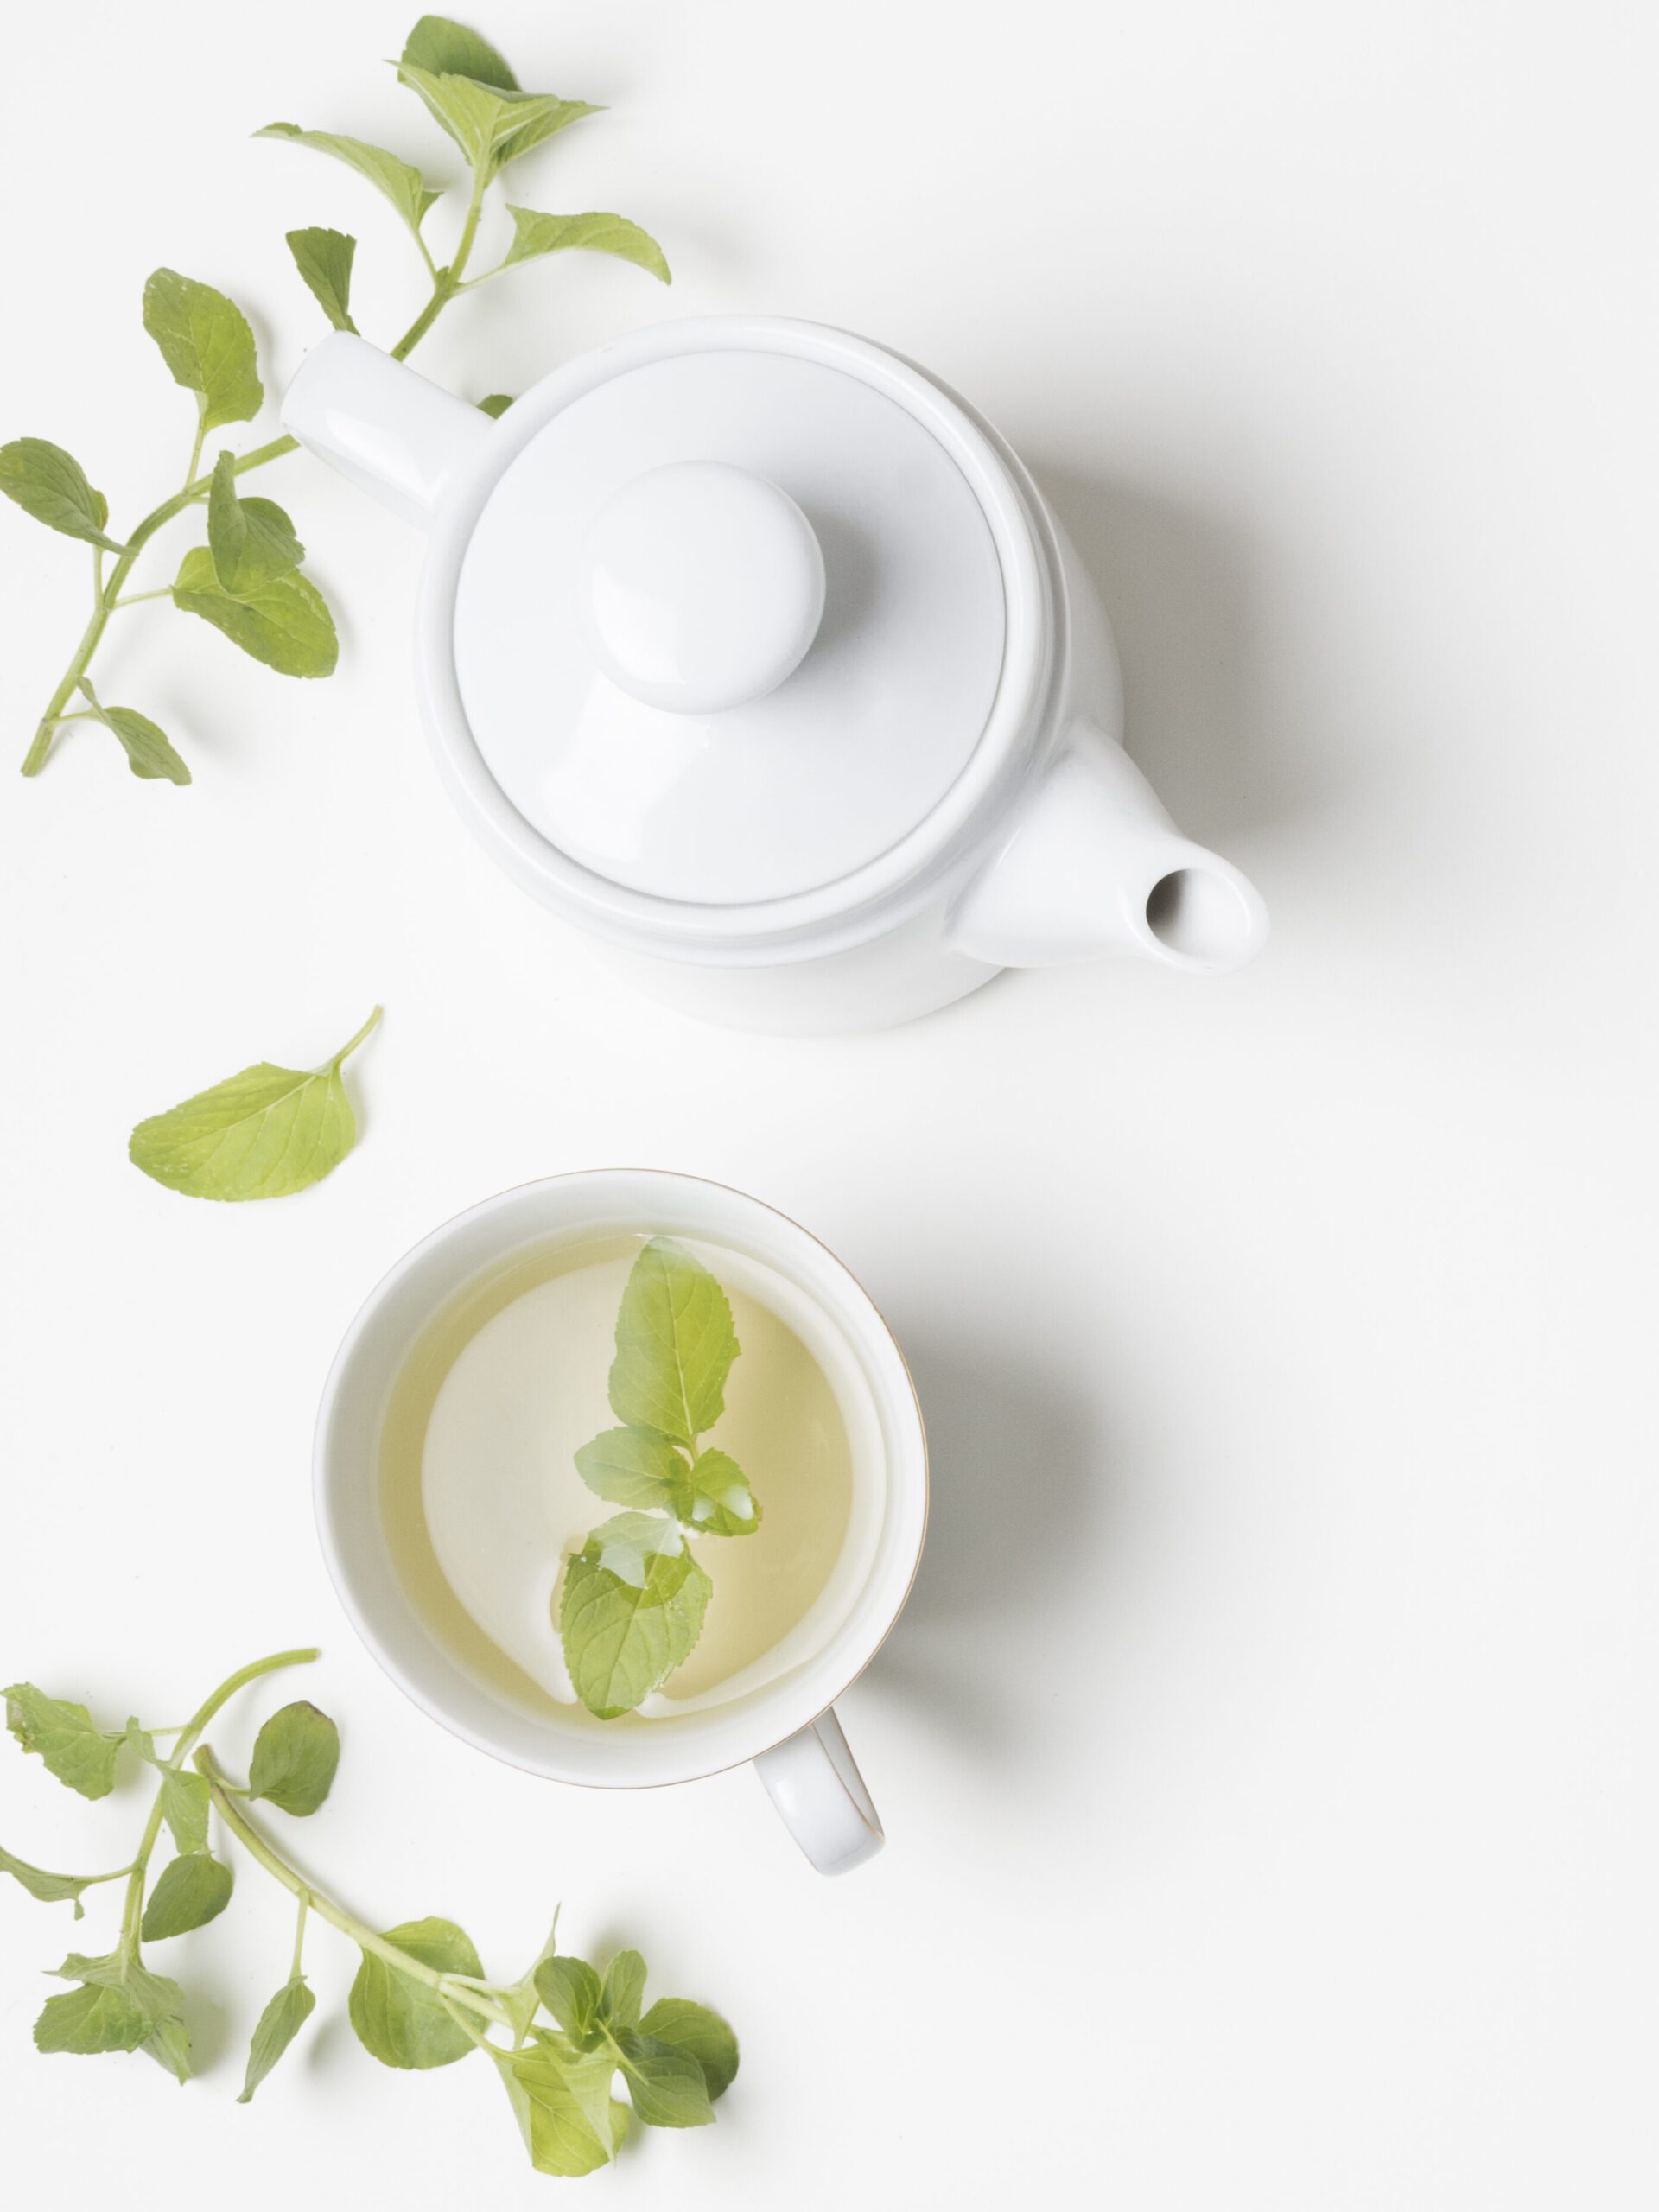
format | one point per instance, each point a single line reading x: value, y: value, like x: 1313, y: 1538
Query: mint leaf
x: 285, y: 624
x: 251, y: 541
x: 694, y: 2029
x: 490, y: 125
x: 403, y: 184
x: 50, y: 1889
x: 281, y: 2021
x: 185, y: 1803
x: 262, y: 1134
x: 64, y: 1736
x: 294, y: 1756
x: 631, y: 1610
x: 634, y: 1466
x: 561, y: 2097
x: 324, y: 260
x: 623, y: 1990
x: 534, y: 234
x: 205, y: 342
x: 716, y: 1500
x: 119, y: 2006
x: 675, y: 1346
x: 49, y: 483
x: 148, y: 752
x: 570, y: 1988
x: 665, y: 2083
x: 400, y: 2021
x: 169, y: 2045
x: 452, y: 50
x: 191, y: 1891
x: 496, y: 405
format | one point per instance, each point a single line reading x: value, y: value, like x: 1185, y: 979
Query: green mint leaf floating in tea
x: 75, y: 1748
x: 184, y: 1807
x: 675, y: 1346
x: 716, y: 1500
x: 281, y: 2021
x: 405, y: 2022
x: 149, y: 753
x: 631, y: 1609
x: 324, y: 260
x: 285, y: 623
x: 251, y: 541
x: 205, y: 342
x: 262, y: 1134
x: 420, y: 1999
x: 535, y: 234
x: 397, y: 181
x: 294, y: 1756
x: 637, y: 1467
x: 49, y: 483
x: 191, y: 1891
x: 562, y: 2099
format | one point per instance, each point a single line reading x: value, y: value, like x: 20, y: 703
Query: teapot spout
x: 1096, y: 865
x: 382, y: 426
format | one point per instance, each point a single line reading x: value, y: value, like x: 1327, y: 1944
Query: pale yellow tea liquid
x: 483, y: 1502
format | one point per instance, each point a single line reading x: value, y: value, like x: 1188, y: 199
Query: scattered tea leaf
x: 400, y: 2021
x: 185, y: 1805
x: 49, y: 483
x: 324, y: 260
x: 149, y: 754
x: 453, y: 51
x: 535, y: 234
x: 50, y: 1889
x: 262, y: 1134
x: 251, y: 541
x: 189, y: 1892
x: 119, y: 2005
x: 169, y: 2045
x: 397, y: 181
x: 205, y: 342
x: 570, y: 1989
x: 666, y: 2083
x: 285, y: 624
x: 562, y: 2099
x: 622, y: 1992
x: 294, y: 1756
x: 281, y: 2021
x: 66, y: 1736
x: 696, y: 2029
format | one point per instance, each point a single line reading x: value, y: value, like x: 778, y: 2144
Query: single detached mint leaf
x: 665, y: 2083
x: 50, y: 485
x: 149, y: 750
x: 622, y: 1992
x: 285, y: 624
x: 294, y: 1756
x: 694, y: 2029
x: 631, y: 1609
x: 191, y: 1891
x: 324, y: 260
x: 251, y: 541
x: 675, y: 1346
x: 402, y: 184
x: 496, y: 405
x: 717, y: 1500
x: 205, y: 342
x: 635, y: 1466
x: 534, y: 234
x: 50, y: 1889
x: 262, y: 1134
x: 569, y: 1989
x: 561, y: 2097
x: 185, y: 1803
x: 281, y: 2021
x: 452, y: 50
x: 64, y: 1736
x: 402, y: 2022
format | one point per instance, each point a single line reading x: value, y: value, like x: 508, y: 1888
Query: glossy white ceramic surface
x: 938, y: 791
x: 883, y: 1544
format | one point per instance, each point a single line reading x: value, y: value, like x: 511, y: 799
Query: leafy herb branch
x: 559, y: 2035
x: 247, y: 579
x: 632, y: 1599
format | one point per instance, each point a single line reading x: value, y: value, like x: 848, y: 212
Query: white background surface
x: 1267, y: 1753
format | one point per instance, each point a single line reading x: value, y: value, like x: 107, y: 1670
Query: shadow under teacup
x: 784, y: 1720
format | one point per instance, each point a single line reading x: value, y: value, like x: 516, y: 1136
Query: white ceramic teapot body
x: 1048, y: 846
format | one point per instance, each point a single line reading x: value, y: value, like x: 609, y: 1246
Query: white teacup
x: 787, y: 1725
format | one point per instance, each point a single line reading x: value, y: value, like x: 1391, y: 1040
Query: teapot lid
x: 733, y: 621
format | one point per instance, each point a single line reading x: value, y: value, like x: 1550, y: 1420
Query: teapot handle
x: 394, y: 433
x: 812, y: 1779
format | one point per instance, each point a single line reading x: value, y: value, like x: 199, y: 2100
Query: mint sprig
x: 562, y: 2036
x: 631, y: 1602
x: 247, y: 581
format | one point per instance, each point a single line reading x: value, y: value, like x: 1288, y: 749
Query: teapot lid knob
x: 700, y: 586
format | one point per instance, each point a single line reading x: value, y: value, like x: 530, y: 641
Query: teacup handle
x: 812, y: 1779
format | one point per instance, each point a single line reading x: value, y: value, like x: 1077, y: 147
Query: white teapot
x: 749, y: 649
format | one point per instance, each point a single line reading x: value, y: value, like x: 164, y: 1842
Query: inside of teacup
x: 610, y: 1500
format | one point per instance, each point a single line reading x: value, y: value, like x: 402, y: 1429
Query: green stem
x: 132, y: 1909
x: 446, y: 283
x: 446, y: 1986
x: 299, y: 1934
x: 347, y: 1050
